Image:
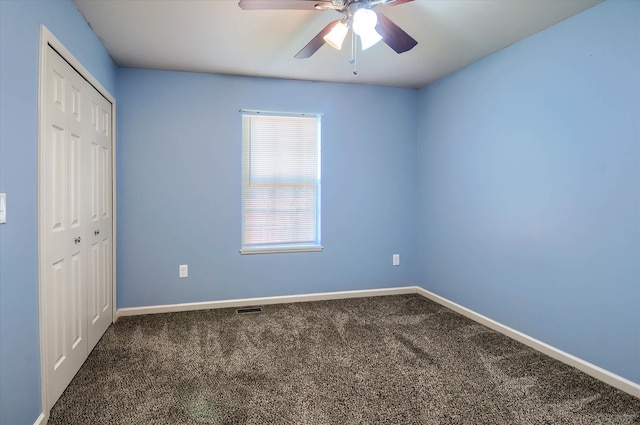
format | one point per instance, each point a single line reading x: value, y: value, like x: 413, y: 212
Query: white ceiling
x: 216, y: 36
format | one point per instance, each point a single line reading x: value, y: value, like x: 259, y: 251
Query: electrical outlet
x: 183, y: 270
x: 3, y: 208
x: 396, y: 259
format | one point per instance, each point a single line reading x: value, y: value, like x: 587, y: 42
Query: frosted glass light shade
x: 364, y: 24
x: 336, y: 36
x: 364, y: 20
x: 369, y: 38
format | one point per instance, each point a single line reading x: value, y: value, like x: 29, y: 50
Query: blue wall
x: 19, y: 51
x: 529, y: 186
x: 179, y: 181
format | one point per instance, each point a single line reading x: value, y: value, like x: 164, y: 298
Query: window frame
x: 279, y: 247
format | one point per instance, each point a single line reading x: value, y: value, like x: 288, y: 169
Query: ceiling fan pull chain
x: 354, y: 52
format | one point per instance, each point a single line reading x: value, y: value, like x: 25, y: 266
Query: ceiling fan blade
x: 284, y: 4
x: 397, y: 2
x: 316, y: 42
x: 393, y: 35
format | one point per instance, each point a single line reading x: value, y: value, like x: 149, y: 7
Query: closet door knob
x: 77, y: 240
x: 97, y: 232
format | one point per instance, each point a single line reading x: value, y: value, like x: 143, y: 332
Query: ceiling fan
x: 369, y: 25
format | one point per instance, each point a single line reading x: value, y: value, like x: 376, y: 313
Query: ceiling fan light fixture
x: 336, y: 36
x: 364, y: 24
x: 364, y: 21
x: 369, y: 38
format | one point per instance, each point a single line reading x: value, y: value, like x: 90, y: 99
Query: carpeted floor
x: 383, y: 360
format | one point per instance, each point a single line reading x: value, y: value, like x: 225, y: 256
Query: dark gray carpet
x: 383, y: 360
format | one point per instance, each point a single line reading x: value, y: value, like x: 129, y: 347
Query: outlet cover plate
x: 3, y: 208
x: 183, y: 270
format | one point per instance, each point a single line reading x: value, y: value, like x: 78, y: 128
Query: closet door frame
x: 48, y: 39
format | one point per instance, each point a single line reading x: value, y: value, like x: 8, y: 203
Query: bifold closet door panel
x: 64, y: 224
x: 99, y: 209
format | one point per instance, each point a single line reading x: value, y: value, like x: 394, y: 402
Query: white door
x: 76, y: 221
x: 97, y: 133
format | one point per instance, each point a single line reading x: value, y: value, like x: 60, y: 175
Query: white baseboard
x: 42, y: 420
x: 244, y: 302
x: 597, y: 372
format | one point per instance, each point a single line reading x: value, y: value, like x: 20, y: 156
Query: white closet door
x: 99, y: 209
x: 76, y: 220
x: 65, y: 226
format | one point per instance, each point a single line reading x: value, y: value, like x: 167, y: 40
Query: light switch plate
x: 3, y: 208
x: 396, y: 259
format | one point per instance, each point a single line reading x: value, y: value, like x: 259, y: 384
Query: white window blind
x: 280, y: 182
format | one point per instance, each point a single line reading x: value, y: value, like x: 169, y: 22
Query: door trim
x: 48, y: 39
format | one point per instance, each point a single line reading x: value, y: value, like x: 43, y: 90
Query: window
x: 280, y: 182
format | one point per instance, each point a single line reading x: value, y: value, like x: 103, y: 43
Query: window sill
x: 280, y: 249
